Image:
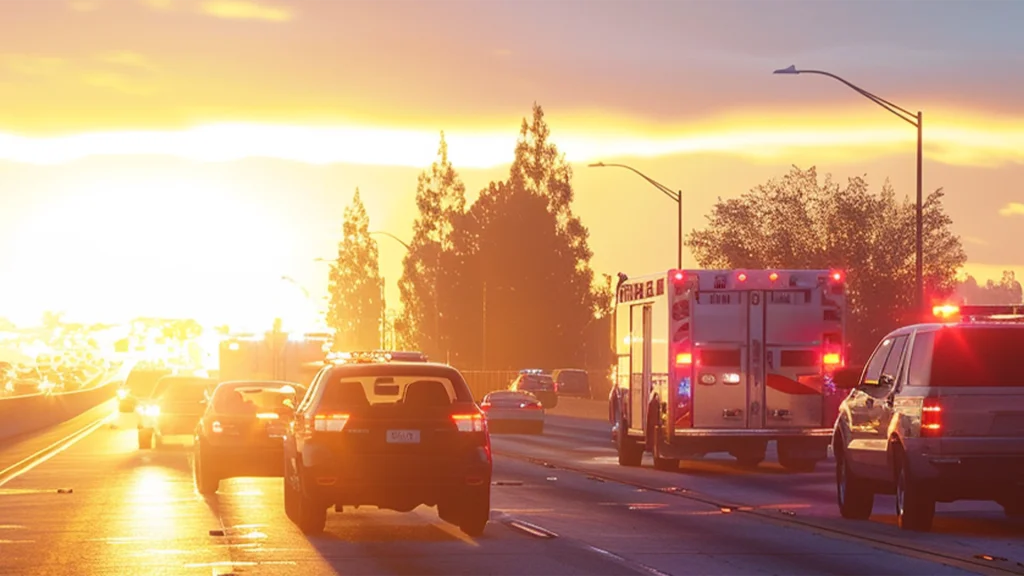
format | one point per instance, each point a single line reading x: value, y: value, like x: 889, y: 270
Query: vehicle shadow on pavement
x: 966, y: 524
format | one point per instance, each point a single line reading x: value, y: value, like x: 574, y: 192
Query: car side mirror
x: 846, y: 378
x: 886, y: 381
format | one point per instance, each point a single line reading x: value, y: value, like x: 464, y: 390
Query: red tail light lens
x: 468, y: 422
x: 330, y: 422
x: 931, y: 419
x: 531, y: 405
x: 831, y: 359
x: 684, y: 359
x: 485, y: 406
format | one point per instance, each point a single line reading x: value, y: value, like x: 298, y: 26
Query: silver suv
x: 937, y: 415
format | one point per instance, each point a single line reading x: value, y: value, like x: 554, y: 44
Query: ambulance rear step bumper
x: 766, y: 433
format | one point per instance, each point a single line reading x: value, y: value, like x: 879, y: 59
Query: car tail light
x: 330, y: 422
x: 485, y: 406
x: 531, y: 405
x: 468, y: 422
x: 216, y: 427
x: 831, y: 359
x: 931, y: 418
x: 684, y: 358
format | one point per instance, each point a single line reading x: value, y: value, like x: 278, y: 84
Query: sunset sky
x: 180, y: 156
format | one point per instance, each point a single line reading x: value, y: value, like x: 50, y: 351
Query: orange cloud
x: 1012, y: 209
x: 159, y: 4
x: 244, y: 10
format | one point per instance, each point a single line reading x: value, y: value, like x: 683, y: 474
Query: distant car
x: 174, y: 409
x: 513, y: 411
x: 138, y: 386
x: 394, y: 435
x: 937, y: 415
x: 241, y: 431
x: 538, y: 383
x: 572, y: 382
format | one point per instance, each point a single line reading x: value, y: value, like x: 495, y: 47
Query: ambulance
x: 277, y: 356
x: 727, y: 361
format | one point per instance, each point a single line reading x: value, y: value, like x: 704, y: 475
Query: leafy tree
x: 799, y: 221
x: 355, y: 307
x: 441, y: 200
x: 525, y: 293
x: 1007, y: 291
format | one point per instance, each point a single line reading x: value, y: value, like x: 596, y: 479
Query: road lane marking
x: 531, y: 529
x: 26, y: 464
x: 630, y: 563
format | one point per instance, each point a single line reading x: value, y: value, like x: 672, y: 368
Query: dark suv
x: 937, y: 415
x: 389, y: 434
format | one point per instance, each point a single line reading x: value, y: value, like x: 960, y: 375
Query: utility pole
x: 483, y: 361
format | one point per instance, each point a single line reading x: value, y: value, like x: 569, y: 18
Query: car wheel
x: 310, y: 515
x: 473, y: 512
x: 207, y: 481
x: 915, y: 507
x: 145, y: 439
x: 856, y: 500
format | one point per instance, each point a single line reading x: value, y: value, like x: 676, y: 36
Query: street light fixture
x: 675, y: 196
x: 915, y: 120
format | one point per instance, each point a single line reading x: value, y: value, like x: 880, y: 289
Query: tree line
x: 505, y: 282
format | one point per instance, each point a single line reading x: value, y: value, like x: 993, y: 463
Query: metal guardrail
x: 24, y: 414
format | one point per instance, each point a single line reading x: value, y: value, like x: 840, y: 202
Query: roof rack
x: 994, y: 313
x: 362, y: 357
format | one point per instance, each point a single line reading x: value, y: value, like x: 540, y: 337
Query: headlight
x: 151, y: 410
x: 122, y: 393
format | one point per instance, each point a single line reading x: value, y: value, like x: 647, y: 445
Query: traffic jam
x: 709, y: 361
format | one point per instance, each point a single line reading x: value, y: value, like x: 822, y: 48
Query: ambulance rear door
x: 720, y: 334
x: 793, y: 333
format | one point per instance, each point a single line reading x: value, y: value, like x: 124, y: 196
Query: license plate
x: 403, y: 436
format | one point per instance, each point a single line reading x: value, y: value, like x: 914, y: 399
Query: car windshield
x: 252, y: 399
x: 978, y: 357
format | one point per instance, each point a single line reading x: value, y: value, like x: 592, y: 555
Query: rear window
x: 573, y: 378
x: 253, y: 399
x: 346, y: 392
x: 977, y: 357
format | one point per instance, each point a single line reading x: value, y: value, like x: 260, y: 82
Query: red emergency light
x: 678, y: 277
x: 684, y: 359
x: 742, y: 276
x: 831, y: 359
x: 836, y: 276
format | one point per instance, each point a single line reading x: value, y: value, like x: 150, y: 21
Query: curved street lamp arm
x: 900, y: 112
x: 661, y: 187
x: 393, y: 237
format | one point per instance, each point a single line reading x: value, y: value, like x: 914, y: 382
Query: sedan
x: 514, y: 411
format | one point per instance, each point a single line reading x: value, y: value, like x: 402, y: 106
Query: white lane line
x: 26, y: 464
x: 630, y: 563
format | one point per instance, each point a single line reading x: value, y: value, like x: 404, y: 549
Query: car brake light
x: 485, y: 406
x: 531, y: 405
x: 216, y: 427
x: 831, y: 359
x: 468, y: 422
x: 330, y: 422
x: 931, y: 419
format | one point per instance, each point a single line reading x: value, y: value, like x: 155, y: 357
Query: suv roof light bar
x: 376, y: 356
x: 1004, y: 312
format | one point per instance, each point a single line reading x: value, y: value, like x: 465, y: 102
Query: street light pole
x: 917, y: 121
x: 675, y: 196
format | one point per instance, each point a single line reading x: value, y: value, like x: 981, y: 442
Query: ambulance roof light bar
x: 363, y: 357
x: 953, y: 313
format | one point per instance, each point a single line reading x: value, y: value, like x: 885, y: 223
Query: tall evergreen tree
x: 441, y: 201
x: 356, y: 306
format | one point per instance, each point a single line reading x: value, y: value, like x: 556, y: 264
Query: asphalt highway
x: 560, y: 506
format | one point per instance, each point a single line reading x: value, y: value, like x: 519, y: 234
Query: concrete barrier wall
x: 24, y: 414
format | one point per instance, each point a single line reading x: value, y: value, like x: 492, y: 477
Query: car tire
x: 145, y: 439
x: 855, y: 498
x: 206, y: 478
x: 631, y: 452
x: 472, y: 512
x: 915, y: 506
x: 309, y: 515
x: 291, y: 500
